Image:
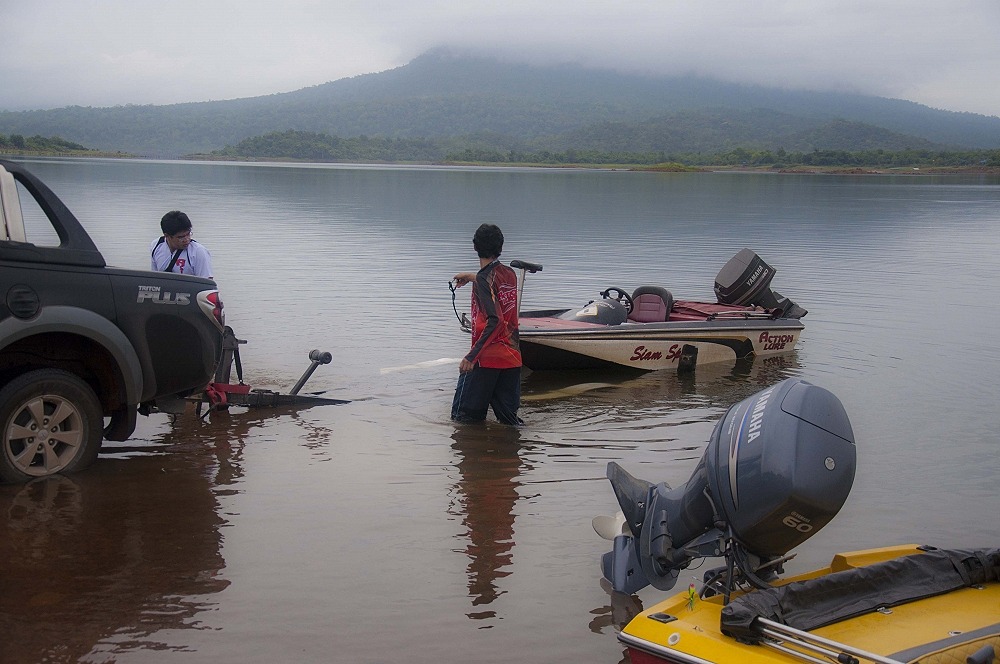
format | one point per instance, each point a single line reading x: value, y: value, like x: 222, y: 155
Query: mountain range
x: 460, y: 99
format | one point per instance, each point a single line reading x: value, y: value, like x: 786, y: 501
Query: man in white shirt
x: 176, y: 251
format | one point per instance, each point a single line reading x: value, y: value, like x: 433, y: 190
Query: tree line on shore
x: 318, y: 147
x: 311, y: 146
x: 743, y: 157
x: 39, y: 144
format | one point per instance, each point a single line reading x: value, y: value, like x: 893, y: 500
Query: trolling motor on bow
x: 778, y: 467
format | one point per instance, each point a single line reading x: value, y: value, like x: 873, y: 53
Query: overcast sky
x: 943, y: 53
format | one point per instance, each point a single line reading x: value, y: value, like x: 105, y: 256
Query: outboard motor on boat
x: 778, y: 467
x: 746, y: 280
x: 604, y: 312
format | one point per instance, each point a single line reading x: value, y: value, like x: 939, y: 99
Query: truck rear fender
x: 86, y: 324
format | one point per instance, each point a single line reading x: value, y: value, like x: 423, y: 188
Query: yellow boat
x: 778, y: 467
x: 942, y: 629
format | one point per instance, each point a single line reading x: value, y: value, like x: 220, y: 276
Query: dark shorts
x: 481, y: 388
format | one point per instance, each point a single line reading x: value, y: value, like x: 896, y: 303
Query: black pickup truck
x: 84, y: 346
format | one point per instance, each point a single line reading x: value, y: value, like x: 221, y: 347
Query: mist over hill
x: 448, y: 98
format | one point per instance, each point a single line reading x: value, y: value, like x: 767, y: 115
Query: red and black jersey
x: 494, y: 318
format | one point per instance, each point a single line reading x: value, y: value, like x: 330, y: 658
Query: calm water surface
x: 378, y: 530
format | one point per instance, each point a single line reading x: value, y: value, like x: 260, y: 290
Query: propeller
x: 610, y: 527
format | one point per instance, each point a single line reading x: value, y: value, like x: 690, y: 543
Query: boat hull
x: 550, y: 344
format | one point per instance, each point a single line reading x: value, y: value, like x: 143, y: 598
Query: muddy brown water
x: 351, y: 529
x: 378, y: 530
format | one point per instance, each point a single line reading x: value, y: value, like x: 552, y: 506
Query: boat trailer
x: 221, y: 393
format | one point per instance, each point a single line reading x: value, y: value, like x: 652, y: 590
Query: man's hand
x: 465, y: 366
x: 463, y: 278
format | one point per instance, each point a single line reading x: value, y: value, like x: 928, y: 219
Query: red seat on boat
x: 651, y: 304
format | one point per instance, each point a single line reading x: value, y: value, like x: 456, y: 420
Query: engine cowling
x: 781, y: 464
x: 778, y: 467
x: 746, y: 280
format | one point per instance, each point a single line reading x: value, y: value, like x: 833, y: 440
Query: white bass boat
x: 649, y: 330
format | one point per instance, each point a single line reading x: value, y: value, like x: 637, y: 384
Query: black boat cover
x: 828, y: 599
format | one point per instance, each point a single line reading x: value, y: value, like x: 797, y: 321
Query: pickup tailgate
x: 178, y: 341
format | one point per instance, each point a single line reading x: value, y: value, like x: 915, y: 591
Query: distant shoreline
x: 84, y: 154
x: 657, y: 168
x: 860, y: 170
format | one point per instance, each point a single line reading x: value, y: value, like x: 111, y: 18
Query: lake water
x: 378, y: 530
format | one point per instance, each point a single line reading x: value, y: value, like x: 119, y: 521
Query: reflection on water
x: 614, y: 616
x: 98, y: 563
x: 101, y: 562
x: 489, y: 464
x: 655, y: 412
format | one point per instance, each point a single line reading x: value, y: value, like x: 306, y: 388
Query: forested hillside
x: 18, y: 143
x: 468, y: 102
x: 318, y: 147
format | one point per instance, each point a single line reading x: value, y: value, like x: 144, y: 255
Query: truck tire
x: 50, y: 422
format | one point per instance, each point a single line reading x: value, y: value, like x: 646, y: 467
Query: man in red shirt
x: 490, y: 375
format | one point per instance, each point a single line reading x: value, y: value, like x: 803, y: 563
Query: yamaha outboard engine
x: 778, y: 467
x: 746, y: 280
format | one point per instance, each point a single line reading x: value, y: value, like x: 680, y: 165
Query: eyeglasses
x: 182, y: 236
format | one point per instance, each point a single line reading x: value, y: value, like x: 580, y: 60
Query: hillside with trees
x: 318, y: 147
x: 468, y: 102
x: 312, y: 146
x: 18, y: 144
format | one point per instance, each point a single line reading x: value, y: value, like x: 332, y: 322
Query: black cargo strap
x: 239, y: 364
x: 173, y: 261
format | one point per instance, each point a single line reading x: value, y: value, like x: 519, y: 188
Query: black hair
x: 488, y: 241
x: 174, y: 222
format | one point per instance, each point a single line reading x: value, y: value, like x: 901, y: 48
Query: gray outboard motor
x: 746, y: 280
x: 778, y: 467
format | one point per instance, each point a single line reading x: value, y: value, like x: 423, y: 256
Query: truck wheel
x: 51, y: 422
